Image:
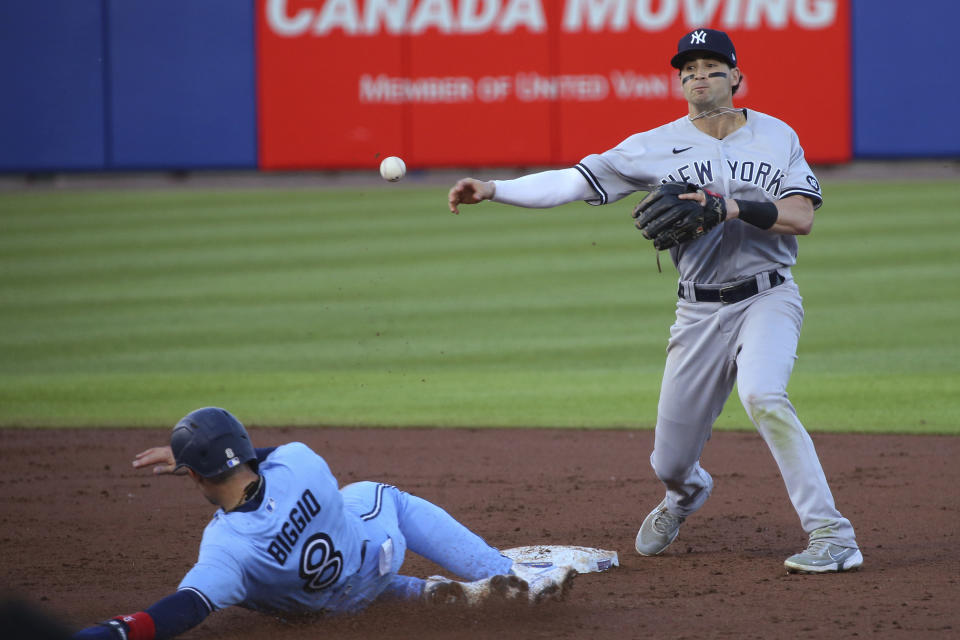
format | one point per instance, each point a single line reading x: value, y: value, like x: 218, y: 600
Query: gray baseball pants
x: 753, y: 343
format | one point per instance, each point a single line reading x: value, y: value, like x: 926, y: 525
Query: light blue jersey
x: 312, y: 547
x: 290, y: 554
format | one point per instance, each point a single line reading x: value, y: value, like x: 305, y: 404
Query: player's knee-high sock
x: 434, y: 534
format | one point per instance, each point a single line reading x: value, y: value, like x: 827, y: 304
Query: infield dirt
x: 86, y: 537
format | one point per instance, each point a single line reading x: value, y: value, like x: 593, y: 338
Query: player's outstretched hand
x: 469, y: 191
x: 160, y: 457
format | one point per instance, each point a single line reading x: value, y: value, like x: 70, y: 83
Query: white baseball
x: 392, y: 168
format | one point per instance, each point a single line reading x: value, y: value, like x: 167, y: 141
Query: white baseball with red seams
x: 393, y: 168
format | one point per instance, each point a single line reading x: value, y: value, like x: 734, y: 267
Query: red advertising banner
x: 342, y: 83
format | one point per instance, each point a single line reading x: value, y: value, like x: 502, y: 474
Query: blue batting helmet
x: 210, y: 441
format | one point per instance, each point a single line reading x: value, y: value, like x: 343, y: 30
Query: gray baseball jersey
x: 751, y: 342
x: 762, y: 160
x: 713, y: 345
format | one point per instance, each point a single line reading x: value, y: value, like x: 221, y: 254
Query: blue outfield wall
x: 94, y: 85
x: 904, y: 98
x: 124, y: 84
x: 182, y: 86
x: 51, y: 77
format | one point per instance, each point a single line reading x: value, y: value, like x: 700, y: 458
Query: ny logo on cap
x: 698, y: 37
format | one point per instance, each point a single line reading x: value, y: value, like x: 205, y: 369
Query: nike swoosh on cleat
x: 837, y: 558
x: 675, y: 150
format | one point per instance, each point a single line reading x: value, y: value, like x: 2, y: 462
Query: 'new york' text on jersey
x: 762, y: 160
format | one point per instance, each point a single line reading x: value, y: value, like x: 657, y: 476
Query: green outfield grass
x: 377, y: 307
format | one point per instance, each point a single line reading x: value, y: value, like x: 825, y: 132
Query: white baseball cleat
x: 530, y: 582
x: 824, y: 557
x: 659, y: 529
x: 504, y: 589
x: 508, y: 588
x: 545, y: 580
x: 443, y: 591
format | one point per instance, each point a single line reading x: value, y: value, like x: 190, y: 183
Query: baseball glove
x: 669, y: 221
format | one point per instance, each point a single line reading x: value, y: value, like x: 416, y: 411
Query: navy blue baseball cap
x: 705, y: 41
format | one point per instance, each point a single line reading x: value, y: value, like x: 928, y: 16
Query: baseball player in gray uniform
x: 739, y: 310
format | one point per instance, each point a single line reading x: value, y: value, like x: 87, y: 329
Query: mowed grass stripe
x: 380, y: 307
x: 385, y: 398
x: 284, y: 336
